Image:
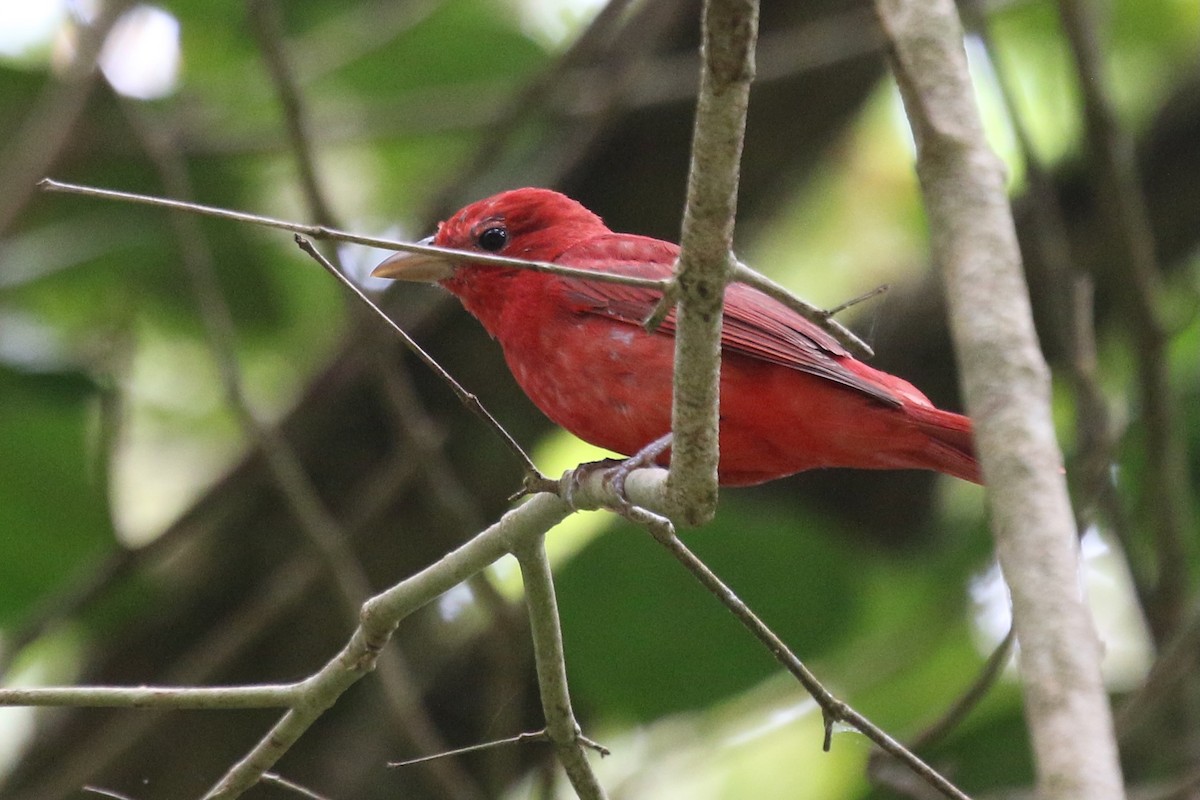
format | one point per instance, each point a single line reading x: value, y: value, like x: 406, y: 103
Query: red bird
x: 792, y: 398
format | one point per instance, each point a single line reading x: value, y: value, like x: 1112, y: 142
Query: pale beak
x: 422, y: 267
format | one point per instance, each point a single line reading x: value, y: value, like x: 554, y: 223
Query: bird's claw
x: 614, y: 472
x: 574, y: 481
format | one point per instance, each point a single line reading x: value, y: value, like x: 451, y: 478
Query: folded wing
x: 755, y: 325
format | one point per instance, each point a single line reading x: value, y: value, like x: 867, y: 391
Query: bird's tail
x: 951, y: 445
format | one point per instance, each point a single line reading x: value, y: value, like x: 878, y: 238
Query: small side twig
x: 862, y: 298
x: 469, y: 400
x: 274, y: 779
x: 109, y: 793
x: 520, y: 738
x: 818, y: 316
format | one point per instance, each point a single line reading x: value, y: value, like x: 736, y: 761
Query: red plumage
x: 792, y: 398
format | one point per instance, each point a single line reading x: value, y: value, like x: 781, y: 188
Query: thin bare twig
x: 639, y: 502
x: 109, y: 793
x: 833, y: 709
x: 818, y: 316
x: 516, y: 532
x: 323, y: 232
x: 469, y: 400
x: 274, y: 779
x: 858, y: 299
x: 520, y: 738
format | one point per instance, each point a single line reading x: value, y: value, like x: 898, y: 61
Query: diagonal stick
x: 469, y: 400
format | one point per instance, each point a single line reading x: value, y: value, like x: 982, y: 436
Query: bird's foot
x: 614, y: 471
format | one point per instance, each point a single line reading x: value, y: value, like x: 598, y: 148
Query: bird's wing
x: 755, y: 325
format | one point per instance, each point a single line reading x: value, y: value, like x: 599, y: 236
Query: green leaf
x: 643, y: 638
x: 53, y: 496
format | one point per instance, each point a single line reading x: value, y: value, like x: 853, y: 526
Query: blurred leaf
x: 55, y: 509
x: 644, y: 639
x: 463, y: 41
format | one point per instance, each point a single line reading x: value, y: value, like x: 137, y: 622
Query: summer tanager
x: 792, y: 398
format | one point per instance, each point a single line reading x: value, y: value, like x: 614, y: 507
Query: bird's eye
x: 493, y: 238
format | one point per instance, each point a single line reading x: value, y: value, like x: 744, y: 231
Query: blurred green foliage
x: 104, y: 367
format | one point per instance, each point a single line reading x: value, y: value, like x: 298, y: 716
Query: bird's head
x: 533, y: 224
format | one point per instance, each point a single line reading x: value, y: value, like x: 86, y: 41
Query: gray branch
x: 706, y: 262
x: 1007, y: 389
